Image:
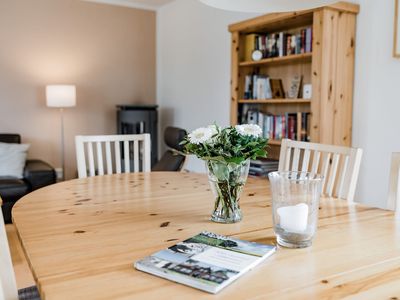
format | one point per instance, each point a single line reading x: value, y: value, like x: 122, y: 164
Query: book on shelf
x: 207, y: 261
x: 278, y: 44
x: 249, y: 45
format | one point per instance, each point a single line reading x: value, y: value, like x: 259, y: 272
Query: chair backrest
x: 394, y: 184
x: 136, y: 148
x: 339, y: 165
x: 171, y: 161
x: 173, y: 136
x: 8, y: 286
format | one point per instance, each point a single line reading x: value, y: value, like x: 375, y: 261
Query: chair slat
x: 354, y: 167
x: 80, y: 157
x: 91, y: 159
x: 295, y: 163
x: 108, y: 158
x: 99, y: 153
x: 284, y: 156
x: 117, y: 157
x: 147, y: 154
x: 315, y: 164
x: 126, y: 157
x: 325, y: 166
x: 306, y: 160
x: 136, y: 156
x: 332, y: 174
x: 342, y: 175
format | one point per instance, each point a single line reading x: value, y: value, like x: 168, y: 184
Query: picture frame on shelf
x: 295, y: 87
x: 307, y: 91
x: 396, y: 37
x: 277, y: 89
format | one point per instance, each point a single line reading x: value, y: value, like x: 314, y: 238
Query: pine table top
x: 82, y: 236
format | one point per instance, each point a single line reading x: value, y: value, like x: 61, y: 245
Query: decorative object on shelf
x: 266, y: 6
x: 61, y: 96
x: 227, y: 152
x: 277, y: 89
x: 295, y: 86
x: 256, y: 55
x: 307, y: 91
x: 396, y: 38
x: 295, y: 201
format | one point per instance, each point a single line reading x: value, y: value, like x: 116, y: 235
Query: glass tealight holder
x: 295, y: 205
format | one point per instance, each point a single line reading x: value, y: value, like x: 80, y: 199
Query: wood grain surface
x: 82, y: 236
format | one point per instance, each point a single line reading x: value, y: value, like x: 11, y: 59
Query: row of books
x: 257, y: 87
x: 263, y: 167
x: 282, y: 43
x: 294, y: 126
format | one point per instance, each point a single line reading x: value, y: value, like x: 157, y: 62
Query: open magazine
x: 207, y: 261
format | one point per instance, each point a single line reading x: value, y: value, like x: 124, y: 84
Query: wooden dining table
x: 81, y: 238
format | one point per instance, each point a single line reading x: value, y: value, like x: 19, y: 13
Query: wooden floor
x: 22, y: 272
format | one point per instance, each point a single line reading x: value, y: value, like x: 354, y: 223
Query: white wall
x: 193, y: 73
x: 376, y: 114
x: 193, y: 66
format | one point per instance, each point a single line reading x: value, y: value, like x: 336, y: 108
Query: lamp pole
x: 62, y: 144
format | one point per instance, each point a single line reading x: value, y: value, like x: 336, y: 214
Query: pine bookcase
x: 329, y: 68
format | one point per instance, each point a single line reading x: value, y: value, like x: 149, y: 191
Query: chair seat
x: 169, y: 162
x: 29, y: 293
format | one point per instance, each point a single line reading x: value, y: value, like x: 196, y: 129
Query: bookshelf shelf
x: 326, y: 62
x: 275, y: 101
x: 306, y: 57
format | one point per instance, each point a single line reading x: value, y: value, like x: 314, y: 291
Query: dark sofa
x: 37, y: 174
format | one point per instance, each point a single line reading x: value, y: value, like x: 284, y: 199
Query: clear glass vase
x: 227, y: 181
x: 295, y: 202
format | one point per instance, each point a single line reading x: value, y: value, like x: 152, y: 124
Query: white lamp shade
x: 266, y: 6
x: 60, y: 95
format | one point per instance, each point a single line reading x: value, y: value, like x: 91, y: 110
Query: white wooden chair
x: 394, y: 184
x: 339, y: 165
x: 93, y: 161
x: 8, y: 286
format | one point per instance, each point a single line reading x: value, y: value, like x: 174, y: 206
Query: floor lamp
x: 61, y: 96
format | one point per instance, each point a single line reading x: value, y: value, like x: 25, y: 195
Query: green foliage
x: 227, y: 145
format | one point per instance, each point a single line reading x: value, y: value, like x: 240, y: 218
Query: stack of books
x: 263, y: 167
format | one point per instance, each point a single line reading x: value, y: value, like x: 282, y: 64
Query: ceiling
x: 142, y: 4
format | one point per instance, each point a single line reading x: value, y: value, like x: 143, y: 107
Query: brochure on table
x: 207, y: 261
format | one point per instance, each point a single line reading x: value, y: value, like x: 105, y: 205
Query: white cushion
x: 12, y: 159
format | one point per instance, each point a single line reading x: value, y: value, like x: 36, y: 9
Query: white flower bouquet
x: 227, y: 152
x: 230, y: 144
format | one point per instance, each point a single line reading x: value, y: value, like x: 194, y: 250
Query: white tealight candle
x: 294, y: 218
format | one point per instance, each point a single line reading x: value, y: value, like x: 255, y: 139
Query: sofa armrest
x: 38, y: 173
